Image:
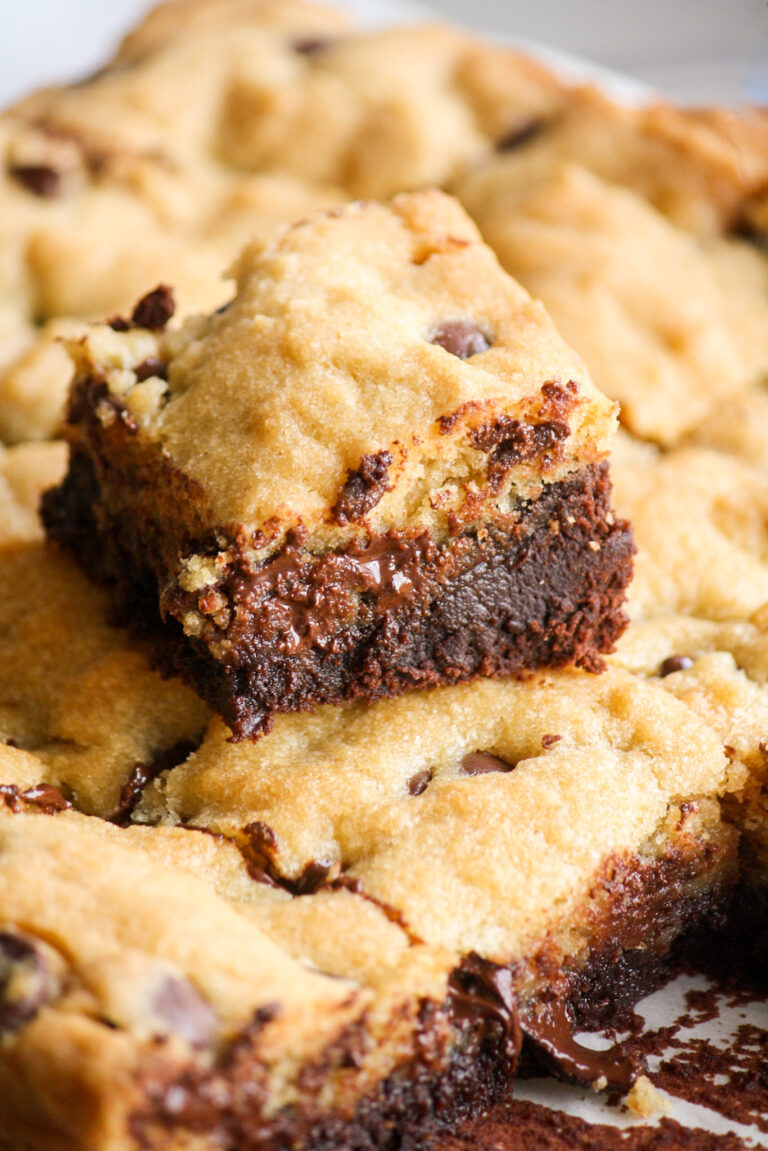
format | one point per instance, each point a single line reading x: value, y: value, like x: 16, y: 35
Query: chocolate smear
x: 482, y: 994
x: 43, y: 796
x: 550, y: 1028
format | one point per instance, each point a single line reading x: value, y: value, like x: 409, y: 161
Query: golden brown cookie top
x: 701, y: 167
x: 368, y: 338
x: 81, y: 694
x: 479, y: 813
x: 671, y: 325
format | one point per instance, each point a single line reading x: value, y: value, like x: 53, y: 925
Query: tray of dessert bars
x: 383, y: 596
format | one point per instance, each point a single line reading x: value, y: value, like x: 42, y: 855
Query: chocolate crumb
x: 549, y: 741
x: 119, y: 324
x: 461, y: 338
x: 154, y: 310
x: 363, y: 488
x: 40, y: 179
x: 675, y: 663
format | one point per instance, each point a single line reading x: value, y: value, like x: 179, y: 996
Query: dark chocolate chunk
x: 482, y: 762
x: 521, y: 134
x: 178, y: 1005
x: 363, y: 488
x: 675, y: 663
x: 152, y: 366
x: 154, y: 310
x: 40, y: 179
x: 419, y: 782
x: 26, y: 980
x: 551, y: 1029
x: 461, y: 338
x: 119, y: 324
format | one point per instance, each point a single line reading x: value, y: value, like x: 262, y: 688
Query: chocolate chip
x: 521, y: 134
x: 311, y: 45
x: 419, y: 782
x: 363, y: 488
x: 548, y: 741
x: 179, y: 1006
x: 675, y: 663
x: 26, y: 980
x: 152, y: 366
x: 39, y: 179
x: 482, y: 762
x: 154, y: 310
x: 119, y: 324
x: 461, y: 338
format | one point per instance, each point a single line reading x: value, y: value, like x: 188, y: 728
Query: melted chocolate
x: 43, y: 796
x: 550, y: 1028
x: 483, y: 995
x: 142, y: 773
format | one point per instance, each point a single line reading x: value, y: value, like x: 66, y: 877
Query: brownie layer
x: 542, y: 588
x: 468, y: 1049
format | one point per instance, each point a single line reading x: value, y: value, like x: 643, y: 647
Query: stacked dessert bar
x: 333, y: 791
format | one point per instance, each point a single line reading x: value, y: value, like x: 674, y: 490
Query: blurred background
x: 703, y: 51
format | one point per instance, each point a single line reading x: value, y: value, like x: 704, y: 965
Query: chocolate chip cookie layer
x: 379, y: 468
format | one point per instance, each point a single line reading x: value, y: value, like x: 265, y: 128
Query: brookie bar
x: 487, y: 868
x: 378, y: 468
